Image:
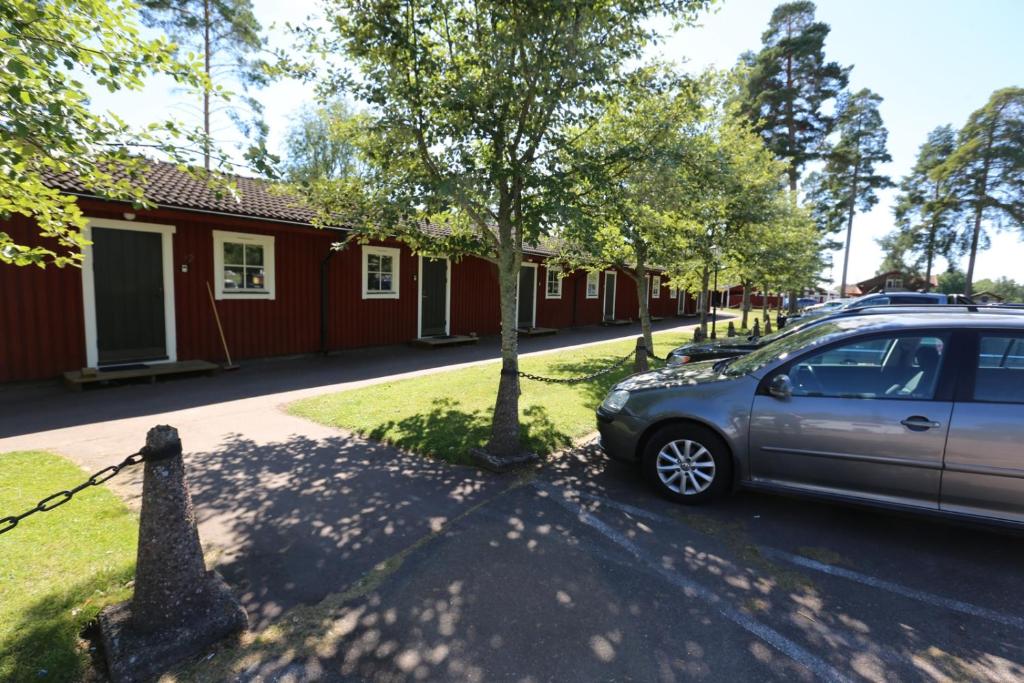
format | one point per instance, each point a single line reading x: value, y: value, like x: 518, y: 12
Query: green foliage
x: 849, y: 181
x: 323, y: 145
x: 985, y: 175
x: 1010, y: 290
x: 953, y: 281
x: 789, y: 82
x: 925, y: 212
x: 51, y: 49
x: 57, y: 569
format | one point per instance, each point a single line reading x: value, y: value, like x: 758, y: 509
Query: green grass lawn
x: 446, y: 414
x: 57, y: 569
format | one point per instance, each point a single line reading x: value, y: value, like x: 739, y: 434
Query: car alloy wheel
x: 685, y: 467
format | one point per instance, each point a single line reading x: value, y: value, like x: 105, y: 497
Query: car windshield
x: 782, y: 348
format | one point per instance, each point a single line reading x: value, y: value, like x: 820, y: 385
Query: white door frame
x: 166, y: 232
x: 533, y: 320
x: 447, y: 296
x: 615, y: 293
x: 681, y: 303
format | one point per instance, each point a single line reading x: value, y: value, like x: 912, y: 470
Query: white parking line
x: 907, y: 592
x: 881, y: 584
x: 694, y: 590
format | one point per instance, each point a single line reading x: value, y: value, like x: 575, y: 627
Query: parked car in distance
x: 916, y: 411
x: 738, y: 346
x: 908, y: 298
x: 832, y: 305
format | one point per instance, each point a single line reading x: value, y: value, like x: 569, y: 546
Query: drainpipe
x: 324, y: 290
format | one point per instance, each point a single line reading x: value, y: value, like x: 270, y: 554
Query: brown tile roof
x: 170, y: 187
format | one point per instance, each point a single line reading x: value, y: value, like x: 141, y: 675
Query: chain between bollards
x: 57, y: 499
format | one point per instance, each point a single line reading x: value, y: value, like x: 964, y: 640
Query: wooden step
x: 77, y: 381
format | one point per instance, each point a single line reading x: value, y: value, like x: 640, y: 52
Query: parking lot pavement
x: 582, y: 574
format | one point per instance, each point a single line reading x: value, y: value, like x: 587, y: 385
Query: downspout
x: 325, y: 263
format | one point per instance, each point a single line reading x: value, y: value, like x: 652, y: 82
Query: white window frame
x: 267, y: 242
x: 557, y: 270
x: 655, y: 286
x: 396, y: 259
x: 894, y: 283
x: 673, y: 293
x: 596, y: 275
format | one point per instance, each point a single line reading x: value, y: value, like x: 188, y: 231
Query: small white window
x: 672, y: 292
x: 380, y: 272
x: 656, y: 286
x: 554, y: 282
x: 894, y: 283
x: 243, y: 265
x: 593, y: 280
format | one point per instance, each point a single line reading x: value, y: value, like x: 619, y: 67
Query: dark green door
x: 527, y: 290
x: 433, y: 297
x: 128, y: 278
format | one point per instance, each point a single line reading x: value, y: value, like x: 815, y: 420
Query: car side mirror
x: 780, y: 386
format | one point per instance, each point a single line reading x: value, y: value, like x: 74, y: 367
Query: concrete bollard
x: 768, y: 326
x: 756, y: 332
x: 640, y: 362
x: 731, y: 332
x: 179, y: 609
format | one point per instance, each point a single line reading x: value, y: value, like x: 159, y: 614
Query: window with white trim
x: 243, y: 265
x: 672, y: 292
x: 656, y: 286
x: 380, y: 272
x: 894, y: 283
x: 593, y: 284
x: 554, y: 283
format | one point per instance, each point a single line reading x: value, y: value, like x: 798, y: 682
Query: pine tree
x: 849, y: 181
x: 790, y: 81
x: 925, y: 212
x: 226, y: 34
x: 986, y: 172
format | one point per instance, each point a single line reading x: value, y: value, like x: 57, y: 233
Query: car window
x: 924, y: 300
x: 871, y: 301
x: 896, y: 367
x: 820, y: 333
x: 1000, y: 369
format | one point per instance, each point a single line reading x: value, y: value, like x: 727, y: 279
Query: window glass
x: 592, y: 284
x: 243, y: 266
x: 1000, y: 375
x: 898, y: 366
x: 656, y: 287
x: 380, y: 267
x: 554, y: 283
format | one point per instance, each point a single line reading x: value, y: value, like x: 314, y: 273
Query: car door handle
x: 918, y: 422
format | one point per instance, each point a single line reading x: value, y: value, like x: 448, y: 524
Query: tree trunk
x: 764, y: 304
x: 645, y: 308
x: 849, y: 233
x: 206, y: 89
x: 746, y: 304
x: 704, y: 283
x: 979, y: 211
x: 504, y: 439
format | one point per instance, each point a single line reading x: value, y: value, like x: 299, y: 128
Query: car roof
x: 912, y: 319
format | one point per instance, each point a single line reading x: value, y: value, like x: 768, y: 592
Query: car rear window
x: 1000, y: 369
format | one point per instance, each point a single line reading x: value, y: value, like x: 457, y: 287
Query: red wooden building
x: 141, y: 295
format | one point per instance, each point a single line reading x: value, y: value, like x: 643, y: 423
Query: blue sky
x: 934, y: 61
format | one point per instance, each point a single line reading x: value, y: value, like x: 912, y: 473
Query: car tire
x: 678, y: 458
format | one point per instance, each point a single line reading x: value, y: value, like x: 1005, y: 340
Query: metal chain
x: 577, y: 380
x: 61, y: 497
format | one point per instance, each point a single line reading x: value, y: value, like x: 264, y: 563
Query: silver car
x: 921, y: 411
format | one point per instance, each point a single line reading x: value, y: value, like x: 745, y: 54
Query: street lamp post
x: 715, y: 297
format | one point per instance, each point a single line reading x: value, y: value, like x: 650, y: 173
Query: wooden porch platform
x: 77, y: 381
x: 439, y: 342
x: 537, y: 331
x: 617, y: 322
